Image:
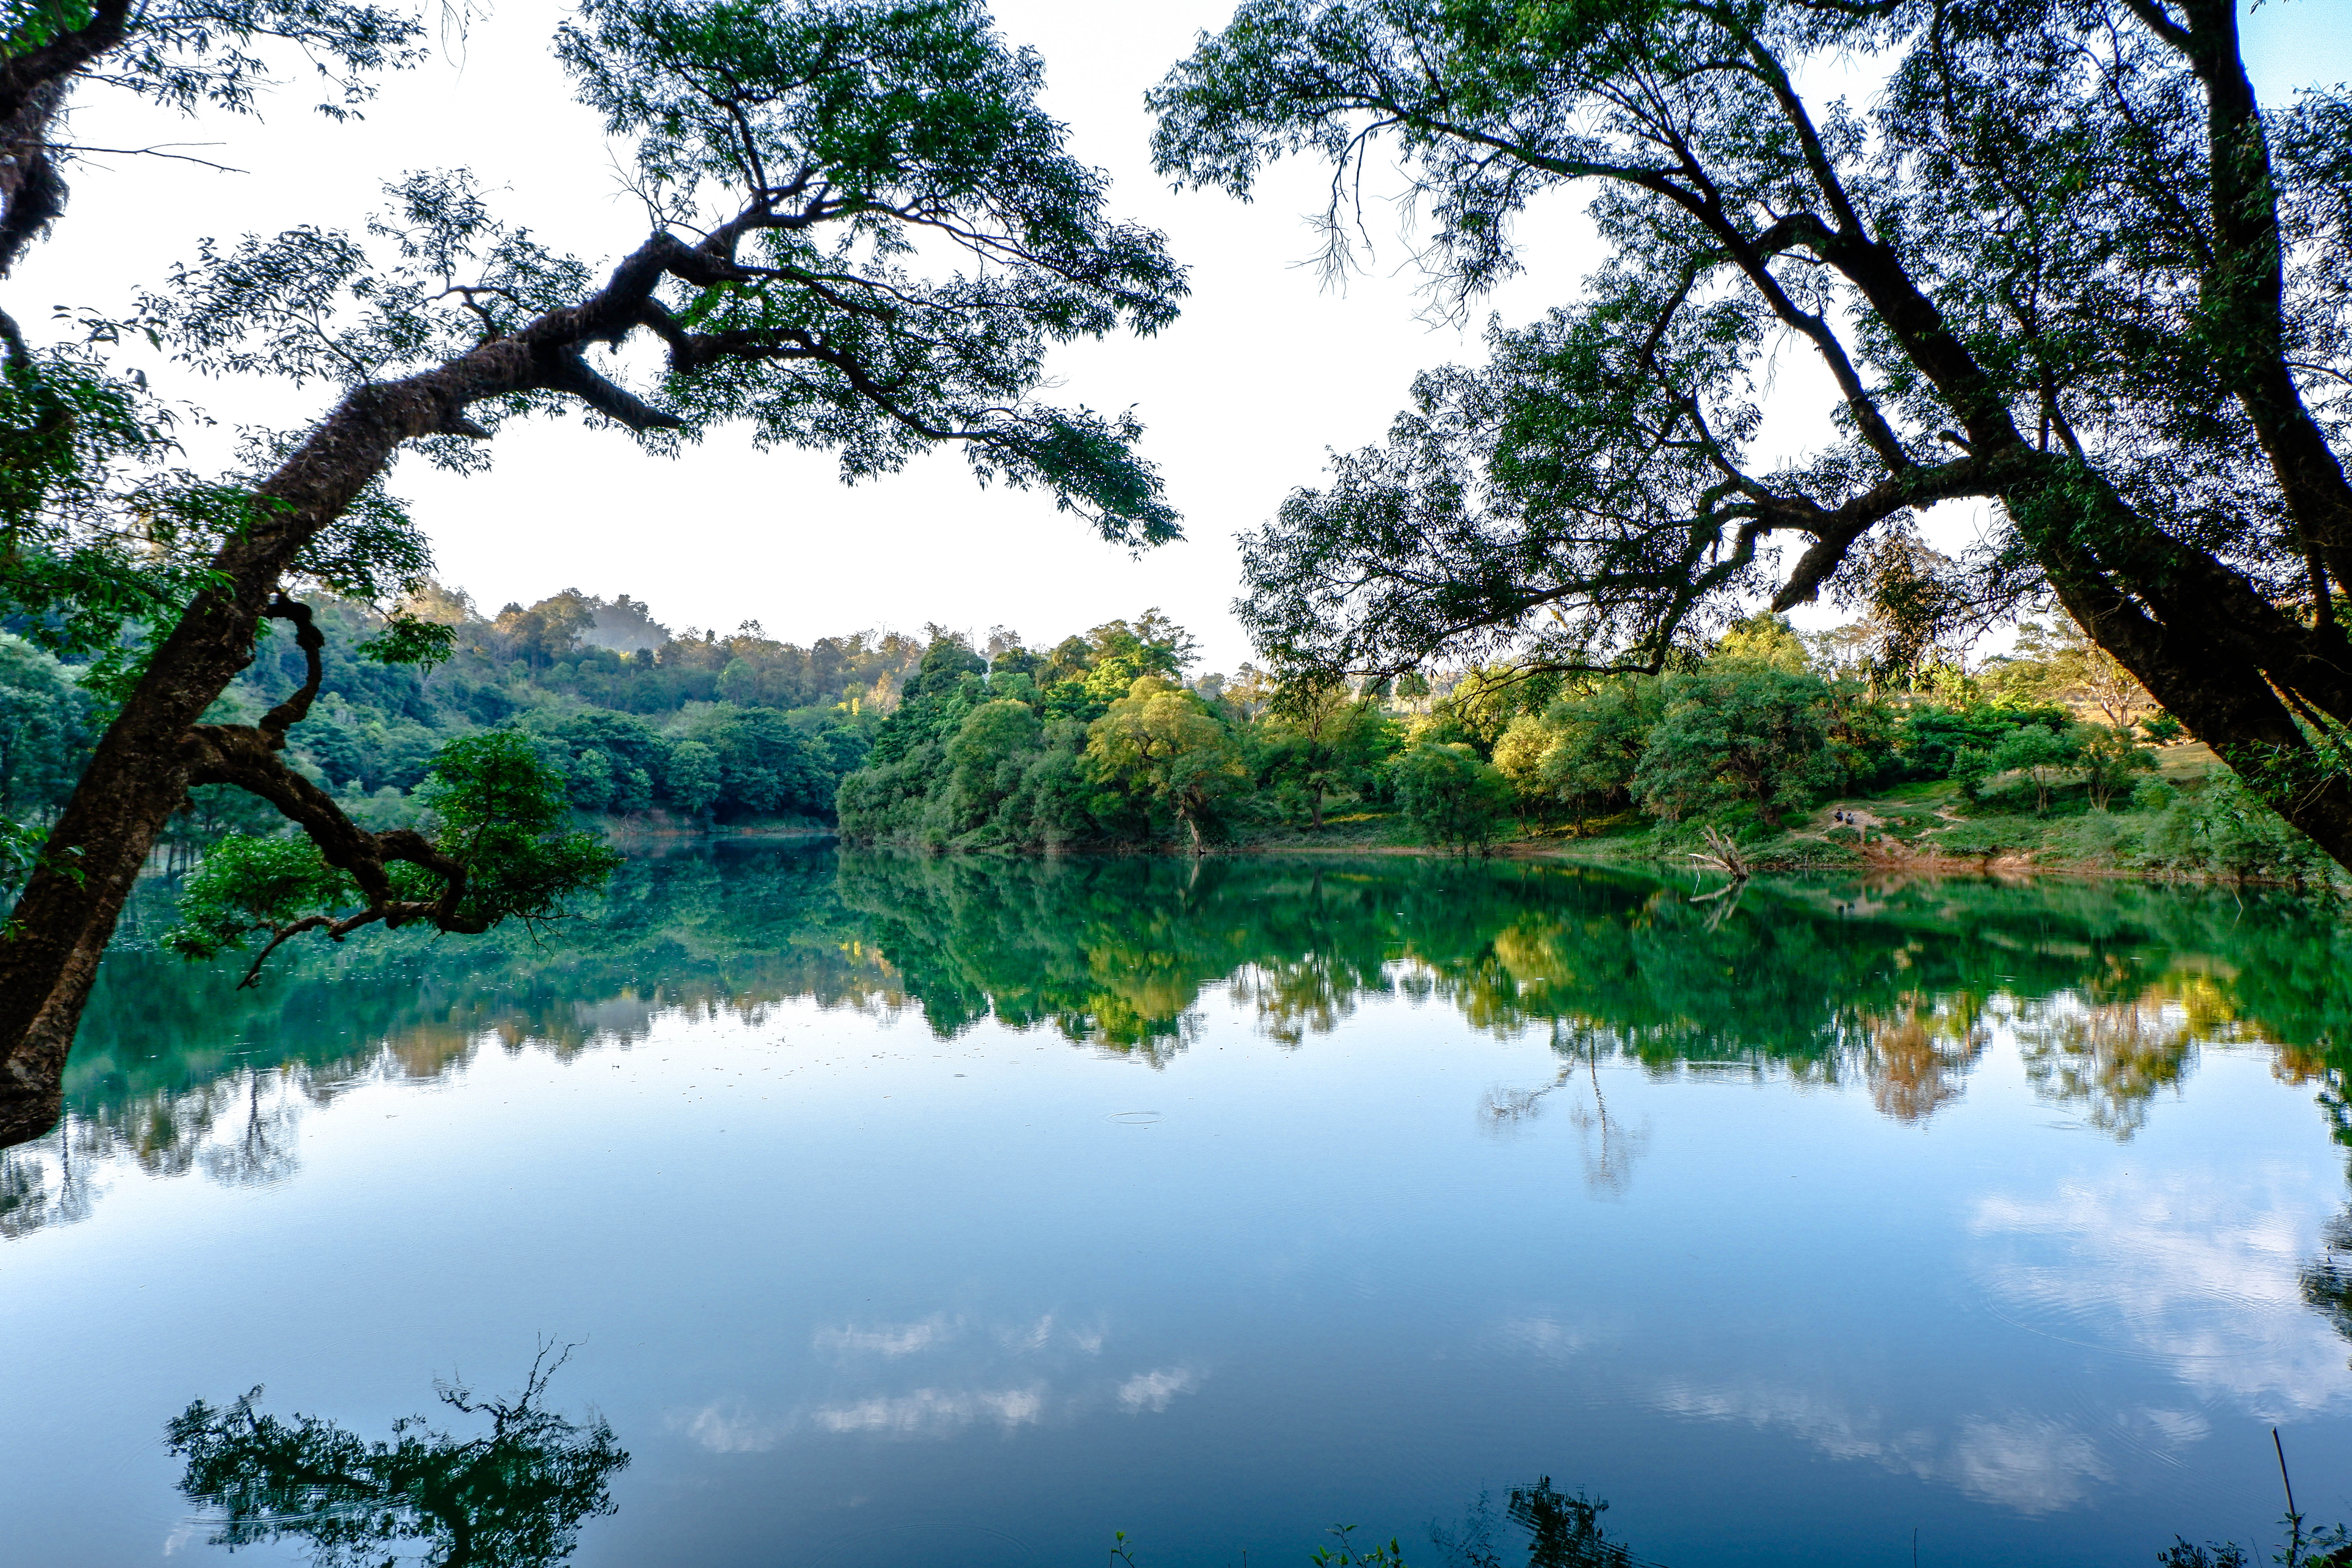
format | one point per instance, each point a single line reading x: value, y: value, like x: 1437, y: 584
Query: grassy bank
x: 2170, y: 827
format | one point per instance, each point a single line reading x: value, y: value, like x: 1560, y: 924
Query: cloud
x: 892, y: 1339
x: 2031, y: 1464
x: 726, y: 1427
x: 1833, y: 1427
x: 2197, y: 1273
x: 932, y: 1411
x: 1153, y: 1390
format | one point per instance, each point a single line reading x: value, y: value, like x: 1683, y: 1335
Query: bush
x: 2222, y: 828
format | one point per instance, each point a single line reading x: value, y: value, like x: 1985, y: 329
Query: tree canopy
x: 2057, y: 256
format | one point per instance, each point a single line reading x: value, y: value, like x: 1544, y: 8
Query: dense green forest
x: 1109, y: 738
x: 633, y: 718
x: 1103, y: 741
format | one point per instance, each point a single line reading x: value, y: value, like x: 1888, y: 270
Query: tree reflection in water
x: 514, y: 1497
x: 2110, y: 992
x: 2327, y: 1277
x: 1558, y: 1530
x: 1610, y: 1149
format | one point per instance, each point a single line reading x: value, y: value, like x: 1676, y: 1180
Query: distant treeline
x: 1106, y: 738
x: 706, y: 727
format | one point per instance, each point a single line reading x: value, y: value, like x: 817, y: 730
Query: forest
x: 1106, y: 740
x: 1112, y: 739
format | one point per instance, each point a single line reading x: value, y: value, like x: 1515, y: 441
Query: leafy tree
x: 766, y: 767
x: 514, y: 1497
x: 43, y: 717
x: 1603, y: 735
x: 2222, y: 829
x: 1322, y: 738
x: 2061, y: 259
x: 1161, y: 743
x: 1935, y: 736
x: 547, y: 631
x: 1519, y: 756
x: 690, y: 777
x: 2108, y: 757
x: 501, y: 848
x: 1451, y: 796
x: 2039, y: 755
x: 989, y: 758
x: 1763, y: 642
x: 1748, y: 733
x: 2060, y: 663
x: 794, y: 156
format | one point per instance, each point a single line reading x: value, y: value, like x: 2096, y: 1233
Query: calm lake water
x: 903, y: 1212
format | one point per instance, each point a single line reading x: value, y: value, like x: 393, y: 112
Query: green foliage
x: 1451, y: 797
x: 2222, y: 829
x: 1937, y: 734
x: 954, y: 767
x: 912, y: 121
x: 44, y: 731
x: 2060, y: 259
x: 2108, y: 757
x: 1748, y: 733
x: 1348, y: 1554
x: 1318, y: 739
x: 501, y: 814
x: 499, y: 811
x: 693, y: 778
x: 1581, y: 751
x: 247, y: 885
x: 1762, y: 642
x: 1160, y: 745
x: 2038, y: 757
x: 514, y: 1497
x: 202, y: 52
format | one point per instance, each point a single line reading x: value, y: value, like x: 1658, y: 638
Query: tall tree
x: 2064, y: 261
x: 865, y: 234
x: 1160, y: 744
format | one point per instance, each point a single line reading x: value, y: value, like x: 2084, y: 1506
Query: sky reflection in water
x: 905, y: 1210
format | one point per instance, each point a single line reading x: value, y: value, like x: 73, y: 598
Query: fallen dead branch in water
x: 1723, y: 853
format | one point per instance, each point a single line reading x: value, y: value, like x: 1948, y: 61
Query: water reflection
x: 512, y: 1496
x: 2110, y: 992
x: 1555, y: 1529
x: 1608, y: 1149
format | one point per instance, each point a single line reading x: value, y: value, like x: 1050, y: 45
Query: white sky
x: 1266, y: 371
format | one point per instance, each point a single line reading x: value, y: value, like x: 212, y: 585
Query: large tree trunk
x: 139, y: 776
x: 141, y: 771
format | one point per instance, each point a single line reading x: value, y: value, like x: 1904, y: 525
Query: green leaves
x: 503, y: 816
x: 501, y: 848
x: 1741, y: 732
x: 2052, y: 265
x: 247, y: 885
x: 512, y: 1496
x: 842, y: 140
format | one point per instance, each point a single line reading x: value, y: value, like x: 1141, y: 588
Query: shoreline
x: 2002, y: 868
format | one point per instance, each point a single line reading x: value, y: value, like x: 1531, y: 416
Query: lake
x: 899, y: 1211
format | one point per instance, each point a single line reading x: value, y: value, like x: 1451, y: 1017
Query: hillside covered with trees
x: 1105, y: 741
x: 1112, y: 738
x: 635, y: 721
